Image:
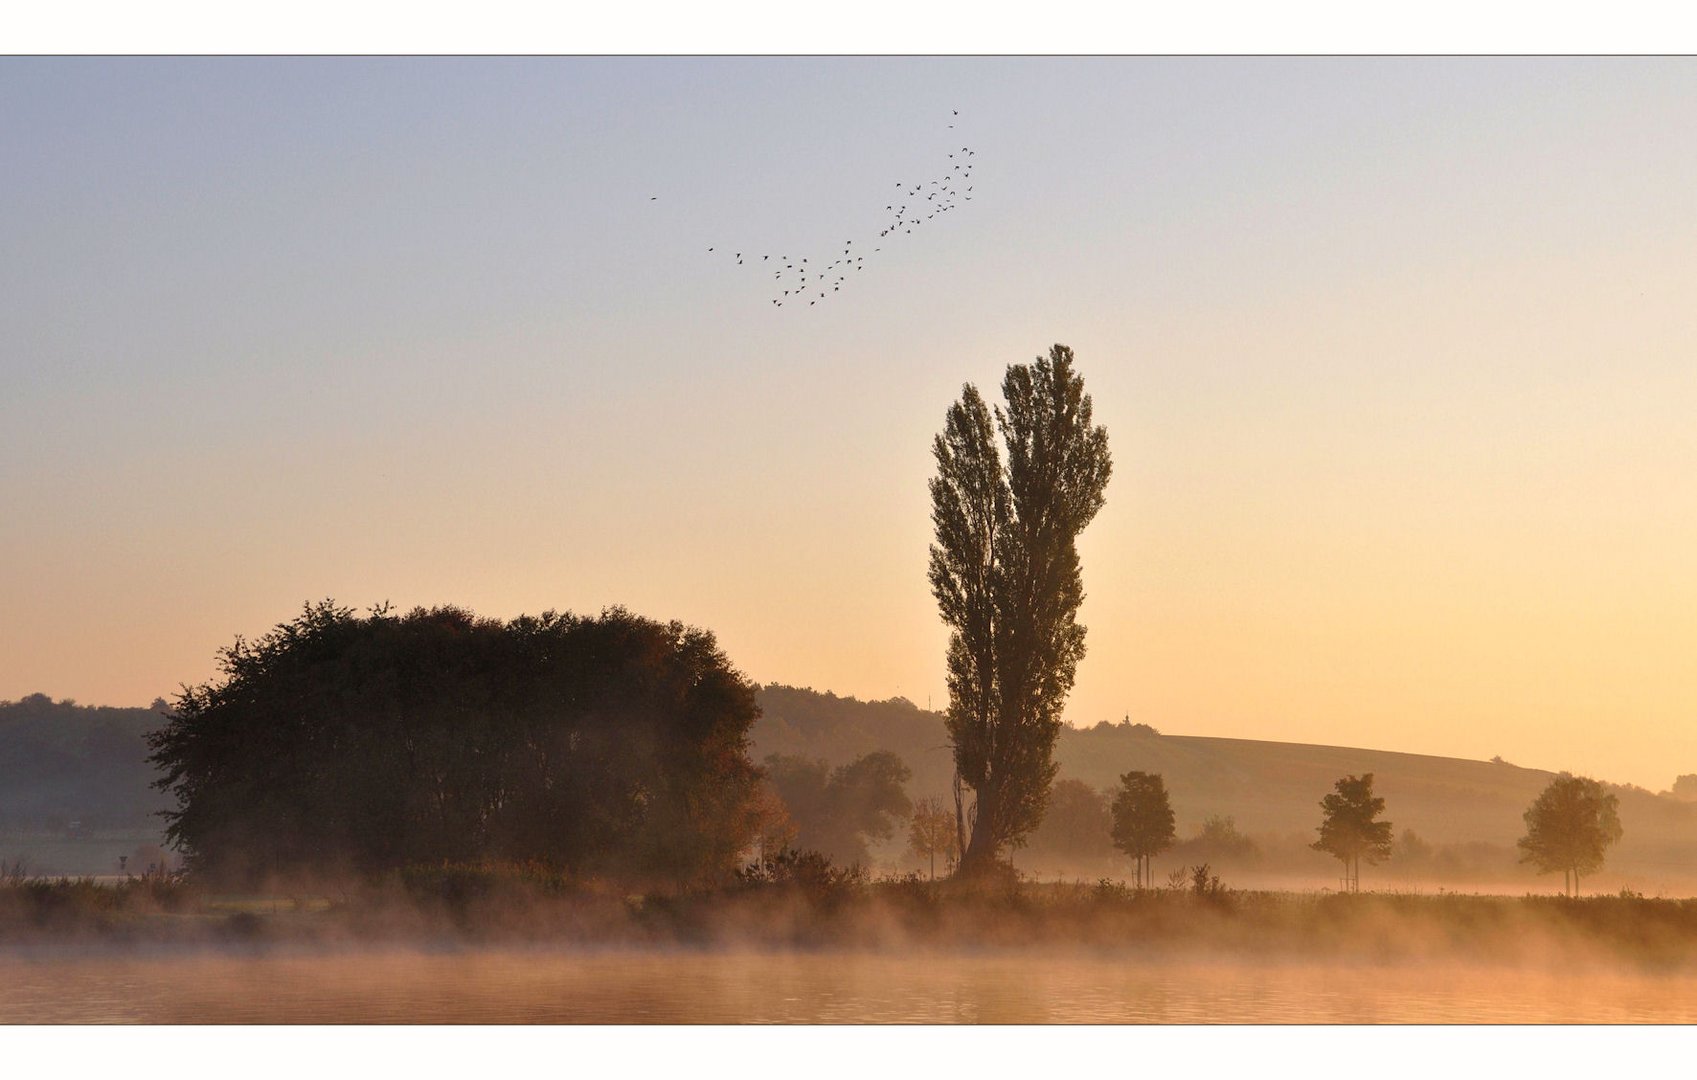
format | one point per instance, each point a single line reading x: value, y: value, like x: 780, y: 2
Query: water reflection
x: 499, y: 987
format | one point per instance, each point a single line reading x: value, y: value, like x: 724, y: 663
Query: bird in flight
x: 936, y: 202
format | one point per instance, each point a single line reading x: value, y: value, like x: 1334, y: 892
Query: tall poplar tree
x: 1005, y: 571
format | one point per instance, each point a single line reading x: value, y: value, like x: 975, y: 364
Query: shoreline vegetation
x: 801, y: 902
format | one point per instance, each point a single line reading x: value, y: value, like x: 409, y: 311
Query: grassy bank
x: 824, y: 908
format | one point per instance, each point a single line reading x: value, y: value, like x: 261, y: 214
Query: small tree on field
x: 932, y: 833
x: 1349, y: 831
x: 1143, y: 819
x: 1568, y: 827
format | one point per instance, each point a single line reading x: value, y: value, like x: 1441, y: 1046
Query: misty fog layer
x: 751, y: 987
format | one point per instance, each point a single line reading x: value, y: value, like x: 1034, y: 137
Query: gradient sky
x: 1398, y: 360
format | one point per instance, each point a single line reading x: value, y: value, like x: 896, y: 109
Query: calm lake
x: 497, y: 987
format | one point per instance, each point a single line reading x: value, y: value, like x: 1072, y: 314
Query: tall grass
x: 799, y: 901
x: 72, y: 906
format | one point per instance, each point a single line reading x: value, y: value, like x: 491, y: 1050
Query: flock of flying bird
x: 796, y: 279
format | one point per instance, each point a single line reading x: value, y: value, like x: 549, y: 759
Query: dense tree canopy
x: 1005, y: 572
x: 612, y: 745
x: 1569, y: 826
x: 1350, y: 831
x: 1142, y: 820
x: 836, y: 811
x: 1075, y: 826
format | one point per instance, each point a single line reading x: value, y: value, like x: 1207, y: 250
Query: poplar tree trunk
x: 981, y: 850
x: 960, y: 821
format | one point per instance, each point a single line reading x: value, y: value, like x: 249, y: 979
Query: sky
x: 1395, y: 358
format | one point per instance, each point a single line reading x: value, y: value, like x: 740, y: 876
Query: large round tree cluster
x: 612, y: 745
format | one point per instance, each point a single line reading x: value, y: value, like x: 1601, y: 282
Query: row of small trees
x: 1569, y: 827
x: 1005, y: 571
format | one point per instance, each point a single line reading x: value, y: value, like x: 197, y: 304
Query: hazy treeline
x: 837, y: 811
x: 802, y: 722
x: 61, y: 762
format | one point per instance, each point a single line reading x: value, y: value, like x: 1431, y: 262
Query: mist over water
x: 686, y: 987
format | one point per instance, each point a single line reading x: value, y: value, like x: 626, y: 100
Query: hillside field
x: 1272, y: 791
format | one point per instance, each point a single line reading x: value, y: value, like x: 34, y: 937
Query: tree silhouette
x: 1349, y: 831
x: 1005, y: 572
x: 1568, y: 827
x: 612, y: 745
x: 1143, y: 820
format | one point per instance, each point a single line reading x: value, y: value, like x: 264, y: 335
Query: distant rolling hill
x: 1271, y: 789
x: 75, y: 792
x: 62, y: 763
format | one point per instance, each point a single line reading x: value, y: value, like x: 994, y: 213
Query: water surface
x: 554, y: 987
